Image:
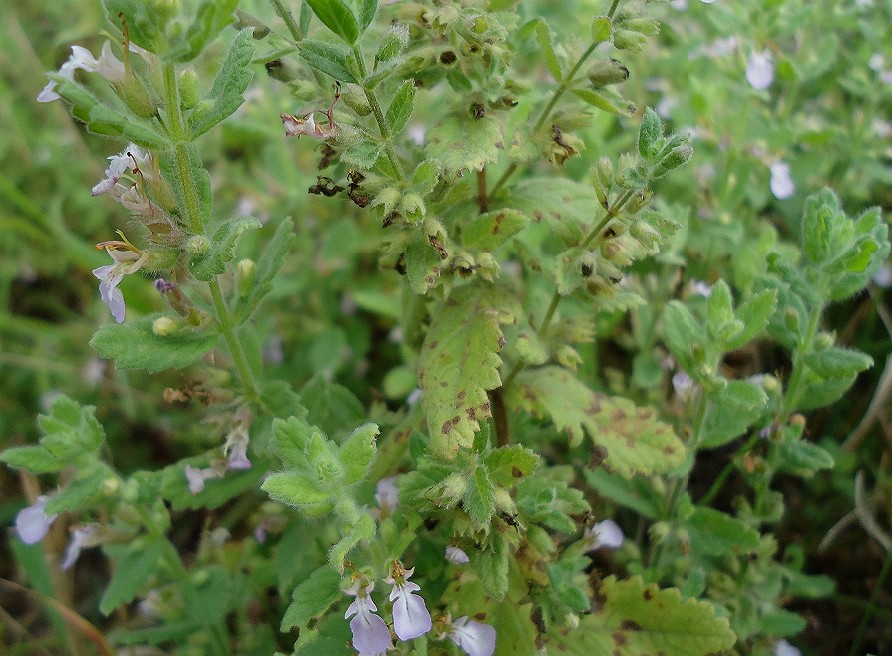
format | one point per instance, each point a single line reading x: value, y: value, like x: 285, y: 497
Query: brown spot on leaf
x: 630, y: 625
x: 619, y: 638
x: 447, y: 426
x: 461, y: 395
x: 648, y: 594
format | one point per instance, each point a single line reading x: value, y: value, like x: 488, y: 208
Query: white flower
x: 297, y: 126
x: 125, y: 261
x: 387, y: 495
x: 679, y: 5
x: 881, y: 128
x: 82, y: 537
x: 456, y: 556
x: 883, y: 277
x: 666, y: 105
x: 370, y: 634
x: 682, y: 384
x: 781, y: 183
x: 410, y: 615
x: 132, y: 158
x: 760, y: 70
x: 784, y: 648
x: 606, y: 533
x: 108, y: 66
x: 475, y: 638
x: 32, y: 523
x: 700, y: 288
x: 876, y: 62
x: 717, y: 48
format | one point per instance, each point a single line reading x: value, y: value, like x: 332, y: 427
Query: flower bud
x: 645, y: 26
x: 355, y: 99
x: 676, y: 157
x: 607, y: 71
x: 412, y: 206
x: 625, y: 39
x: 197, y: 245
x: 823, y: 340
x: 135, y: 96
x: 453, y: 487
x: 244, y: 19
x: 791, y: 319
x: 246, y: 274
x: 164, y: 326
x: 189, y: 95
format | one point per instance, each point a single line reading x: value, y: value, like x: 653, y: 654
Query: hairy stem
x: 180, y: 138
x: 383, y: 128
x: 285, y: 14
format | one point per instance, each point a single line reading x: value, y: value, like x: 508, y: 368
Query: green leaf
x: 35, y: 459
x: 734, y: 409
x: 650, y: 135
x: 714, y: 533
x: 803, y: 458
x: 425, y: 177
x: 601, y: 28
x: 337, y: 17
x: 633, y: 438
x: 358, y: 452
x: 508, y: 465
x: 297, y: 490
x: 70, y: 431
x: 312, y: 598
x: 543, y: 38
x: 602, y: 100
x: 459, y: 362
x: 631, y: 619
x: 212, y: 262
x: 567, y: 207
x: 837, y: 362
x: 401, y: 107
x: 423, y: 265
x: 636, y: 493
x: 754, y: 313
x: 479, y: 499
x: 268, y: 265
x: 216, y: 492
x: 546, y: 498
x: 491, y: 566
x: 681, y: 332
x: 131, y: 573
x: 146, y: 22
x: 781, y: 623
x: 208, y: 595
x: 333, y: 407
x: 78, y: 493
x: 719, y: 306
x: 459, y: 144
x: 326, y: 58
x: 210, y: 19
x: 490, y: 230
x: 516, y: 633
x: 290, y: 440
x: 133, y: 345
x: 232, y: 79
x: 367, y: 9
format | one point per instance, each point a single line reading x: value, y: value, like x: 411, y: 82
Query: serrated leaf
x: 312, y: 598
x: 508, y: 465
x: 70, y: 429
x: 714, y: 533
x: 358, y: 452
x: 131, y: 573
x: 401, y: 107
x: 336, y: 16
x: 632, y: 619
x: 222, y: 248
x: 76, y: 494
x: 567, y: 207
x: 490, y: 230
x: 543, y: 38
x: 423, y: 265
x: 459, y: 144
x: 425, y: 177
x: 681, y: 332
x: 134, y: 345
x: 491, y: 566
x: 754, y: 313
x: 459, y: 362
x: 734, y: 409
x: 479, y: 498
x: 326, y: 58
x: 333, y: 407
x: 634, y: 439
x: 290, y: 439
x: 232, y: 79
x: 294, y: 489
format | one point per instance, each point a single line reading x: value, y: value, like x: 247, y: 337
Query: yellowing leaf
x: 459, y: 362
x: 459, y: 144
x: 632, y: 619
x: 634, y: 439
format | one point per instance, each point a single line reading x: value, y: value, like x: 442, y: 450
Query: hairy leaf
x: 232, y: 79
x: 213, y: 261
x: 459, y: 144
x: 490, y: 230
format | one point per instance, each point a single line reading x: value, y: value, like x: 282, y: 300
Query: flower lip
x: 606, y: 533
x: 370, y: 634
x: 410, y: 615
x: 32, y: 522
x: 474, y: 638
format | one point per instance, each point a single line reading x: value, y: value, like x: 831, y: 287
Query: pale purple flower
x: 682, y: 384
x: 760, y: 70
x: 700, y: 288
x: 370, y: 634
x: 387, y: 495
x: 133, y: 157
x: 196, y: 477
x: 32, y: 523
x: 81, y: 538
x: 883, y: 277
x: 456, y: 556
x: 108, y: 66
x: 417, y: 133
x: 717, y: 48
x: 781, y: 183
x: 876, y: 62
x: 881, y: 128
x: 110, y: 276
x: 414, y: 397
x: 784, y: 648
x: 665, y: 106
x: 410, y: 615
x: 606, y: 533
x: 474, y: 638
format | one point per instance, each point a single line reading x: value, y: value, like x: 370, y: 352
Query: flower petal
x: 370, y: 633
x: 475, y: 638
x: 32, y: 523
x: 410, y: 616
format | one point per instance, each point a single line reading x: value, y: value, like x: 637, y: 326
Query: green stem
x: 868, y: 614
x: 717, y: 484
x: 181, y: 139
x: 796, y: 379
x: 383, y: 128
x: 285, y: 14
x: 613, y: 8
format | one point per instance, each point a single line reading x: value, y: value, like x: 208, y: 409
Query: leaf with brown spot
x: 490, y: 230
x: 635, y: 441
x: 460, y: 363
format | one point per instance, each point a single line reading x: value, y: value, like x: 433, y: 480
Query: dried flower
x: 133, y: 157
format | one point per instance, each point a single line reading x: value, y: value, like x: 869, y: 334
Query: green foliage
x: 225, y: 95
